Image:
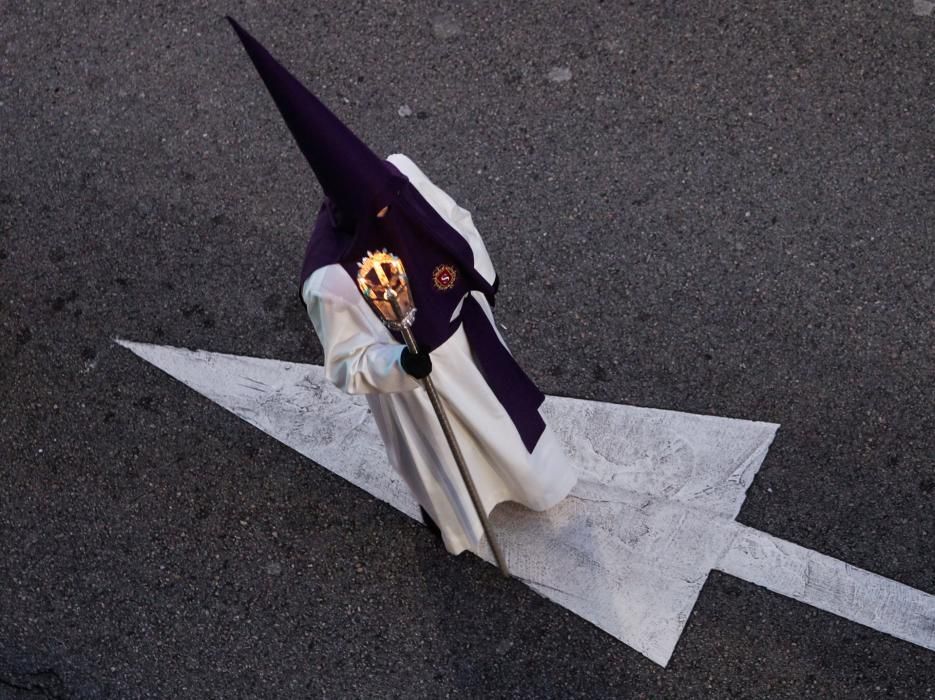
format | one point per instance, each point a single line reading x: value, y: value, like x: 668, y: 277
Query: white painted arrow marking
x: 631, y: 548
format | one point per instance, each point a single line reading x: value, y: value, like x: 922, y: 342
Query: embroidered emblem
x: 444, y: 277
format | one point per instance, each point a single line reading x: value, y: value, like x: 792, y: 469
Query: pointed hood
x: 350, y: 174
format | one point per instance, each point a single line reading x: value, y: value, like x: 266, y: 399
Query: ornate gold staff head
x: 383, y: 282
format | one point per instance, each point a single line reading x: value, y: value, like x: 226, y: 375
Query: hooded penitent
x: 357, y: 185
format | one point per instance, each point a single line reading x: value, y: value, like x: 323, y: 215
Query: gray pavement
x: 729, y: 204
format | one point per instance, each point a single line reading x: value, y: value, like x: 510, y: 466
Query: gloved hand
x: 416, y: 365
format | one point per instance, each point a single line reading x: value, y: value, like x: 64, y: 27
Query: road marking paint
x: 630, y: 549
x: 831, y: 585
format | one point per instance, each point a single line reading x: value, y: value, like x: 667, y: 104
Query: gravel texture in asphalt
x: 730, y: 210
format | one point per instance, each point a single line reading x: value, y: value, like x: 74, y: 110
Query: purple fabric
x: 326, y: 245
x: 349, y: 172
x: 360, y: 184
x: 513, y: 388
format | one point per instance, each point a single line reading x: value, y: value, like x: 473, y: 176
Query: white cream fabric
x: 361, y: 357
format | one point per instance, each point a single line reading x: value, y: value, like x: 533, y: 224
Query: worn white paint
x: 831, y: 585
x: 631, y: 548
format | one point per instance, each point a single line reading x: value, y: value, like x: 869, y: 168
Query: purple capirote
x: 349, y: 172
x: 358, y: 184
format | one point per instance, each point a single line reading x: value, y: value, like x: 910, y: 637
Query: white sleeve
x: 358, y: 360
x: 457, y: 217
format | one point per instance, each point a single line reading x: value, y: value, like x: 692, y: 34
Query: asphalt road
x: 719, y: 208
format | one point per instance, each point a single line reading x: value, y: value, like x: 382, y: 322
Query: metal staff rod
x: 402, y: 322
x: 452, y: 443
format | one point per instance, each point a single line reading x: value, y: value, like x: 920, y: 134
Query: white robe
x: 361, y: 357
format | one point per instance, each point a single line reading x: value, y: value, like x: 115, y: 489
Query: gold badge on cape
x: 443, y: 277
